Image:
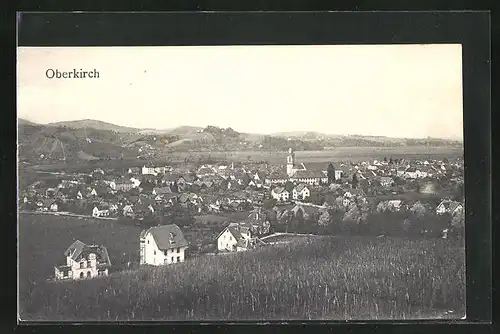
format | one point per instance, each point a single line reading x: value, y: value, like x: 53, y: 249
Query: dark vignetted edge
x: 469, y: 29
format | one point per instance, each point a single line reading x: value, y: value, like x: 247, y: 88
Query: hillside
x: 317, y: 278
x: 98, y: 125
x: 86, y: 140
x: 22, y: 121
x: 39, y: 142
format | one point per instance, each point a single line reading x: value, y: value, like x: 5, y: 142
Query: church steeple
x: 290, y: 162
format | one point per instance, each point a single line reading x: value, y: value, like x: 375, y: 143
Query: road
x: 68, y: 214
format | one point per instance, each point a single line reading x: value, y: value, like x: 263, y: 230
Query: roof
x: 278, y: 175
x: 279, y: 190
x: 78, y: 248
x: 308, y: 174
x: 300, y: 187
x: 449, y: 205
x: 162, y: 190
x: 162, y: 236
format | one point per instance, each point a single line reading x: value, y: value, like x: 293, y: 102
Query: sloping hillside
x: 98, y: 125
x: 38, y: 142
x: 317, y: 278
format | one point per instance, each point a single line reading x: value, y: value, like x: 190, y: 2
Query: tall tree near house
x: 355, y: 181
x: 331, y: 173
x: 390, y: 161
x: 174, y: 188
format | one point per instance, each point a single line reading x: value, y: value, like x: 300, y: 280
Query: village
x: 224, y: 208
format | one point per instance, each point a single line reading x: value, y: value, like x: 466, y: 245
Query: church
x: 299, y: 174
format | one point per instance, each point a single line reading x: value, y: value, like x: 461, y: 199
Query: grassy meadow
x: 43, y: 239
x: 318, y: 278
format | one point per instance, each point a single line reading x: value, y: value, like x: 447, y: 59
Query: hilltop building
x: 83, y: 261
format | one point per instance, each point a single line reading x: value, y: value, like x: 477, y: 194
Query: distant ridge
x: 193, y: 132
x: 22, y: 121
x: 98, y: 125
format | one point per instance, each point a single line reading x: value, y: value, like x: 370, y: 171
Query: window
x: 178, y: 250
x: 172, y: 260
x: 178, y: 259
x: 82, y: 264
x: 154, y: 252
x: 81, y: 275
x: 88, y: 274
x: 89, y: 264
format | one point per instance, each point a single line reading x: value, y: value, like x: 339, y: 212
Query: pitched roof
x: 449, y: 205
x: 162, y: 190
x: 162, y: 236
x: 308, y: 174
x: 279, y: 190
x: 78, y: 247
x: 300, y: 187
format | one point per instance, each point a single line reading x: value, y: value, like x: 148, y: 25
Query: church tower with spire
x: 290, y: 162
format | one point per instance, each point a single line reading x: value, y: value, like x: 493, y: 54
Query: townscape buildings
x: 179, y: 203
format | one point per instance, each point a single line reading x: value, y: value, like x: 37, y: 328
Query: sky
x: 411, y: 91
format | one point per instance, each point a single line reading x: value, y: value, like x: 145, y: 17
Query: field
x: 330, y: 278
x: 331, y: 155
x: 44, y: 238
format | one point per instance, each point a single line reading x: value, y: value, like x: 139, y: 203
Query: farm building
x: 83, y: 261
x: 162, y: 245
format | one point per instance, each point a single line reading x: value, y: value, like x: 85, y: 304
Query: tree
x: 418, y: 210
x: 355, y: 181
x: 385, y: 159
x: 390, y: 161
x: 289, y: 186
x: 331, y: 173
x: 324, y: 219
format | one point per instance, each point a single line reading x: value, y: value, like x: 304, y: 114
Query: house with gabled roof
x: 301, y: 192
x: 162, y: 245
x: 449, y: 206
x: 280, y: 194
x: 233, y: 238
x: 83, y: 261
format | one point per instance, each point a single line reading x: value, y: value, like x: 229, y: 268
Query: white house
x: 280, y: 194
x: 301, y: 192
x: 233, y: 238
x: 100, y: 212
x: 162, y: 245
x: 83, y: 261
x: 128, y: 211
x: 448, y: 206
x: 148, y: 171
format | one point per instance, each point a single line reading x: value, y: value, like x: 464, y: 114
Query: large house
x: 162, y: 245
x: 234, y: 238
x: 83, y: 261
x: 280, y: 194
x: 301, y: 192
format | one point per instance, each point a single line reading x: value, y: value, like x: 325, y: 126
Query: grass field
x: 331, y: 155
x: 308, y: 278
x: 44, y: 238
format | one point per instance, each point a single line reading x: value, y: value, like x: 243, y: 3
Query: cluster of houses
x: 138, y: 192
